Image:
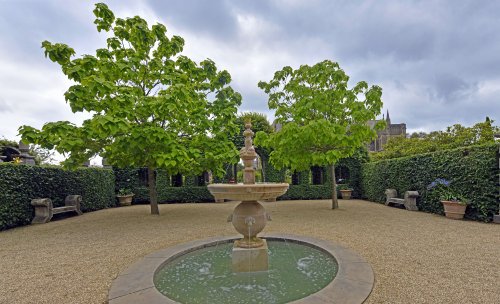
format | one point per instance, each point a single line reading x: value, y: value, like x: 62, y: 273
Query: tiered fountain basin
x: 248, y: 192
x: 351, y: 282
x: 249, y: 218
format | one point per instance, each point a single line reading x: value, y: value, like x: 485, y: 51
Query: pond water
x: 205, y: 275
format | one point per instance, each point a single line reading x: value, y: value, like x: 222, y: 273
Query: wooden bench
x: 44, y: 209
x: 409, y: 200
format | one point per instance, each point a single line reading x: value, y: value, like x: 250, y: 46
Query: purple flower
x: 438, y: 181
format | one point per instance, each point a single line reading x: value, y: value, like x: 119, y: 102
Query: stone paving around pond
x: 416, y: 257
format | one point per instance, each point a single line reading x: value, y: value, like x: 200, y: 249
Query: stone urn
x: 454, y: 209
x: 125, y: 200
x: 346, y: 194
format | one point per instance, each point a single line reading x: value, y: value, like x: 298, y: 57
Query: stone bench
x: 409, y: 200
x: 44, y: 209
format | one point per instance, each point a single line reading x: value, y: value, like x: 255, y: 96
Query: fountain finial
x: 248, y: 155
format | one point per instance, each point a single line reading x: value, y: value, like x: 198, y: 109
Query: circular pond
x: 206, y: 276
x: 189, y: 262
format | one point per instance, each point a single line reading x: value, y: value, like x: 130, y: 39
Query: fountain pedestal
x: 250, y: 259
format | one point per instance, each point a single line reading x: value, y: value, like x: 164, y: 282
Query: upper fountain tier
x: 249, y: 190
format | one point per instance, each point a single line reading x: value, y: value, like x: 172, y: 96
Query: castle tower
x: 383, y: 136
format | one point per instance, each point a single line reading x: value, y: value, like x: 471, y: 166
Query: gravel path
x: 416, y: 257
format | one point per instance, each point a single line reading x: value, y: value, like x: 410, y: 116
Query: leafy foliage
x: 125, y: 192
x: 304, y: 190
x: 441, y: 188
x: 272, y: 174
x: 454, y: 137
x: 322, y: 119
x: 131, y: 179
x: 472, y: 171
x: 259, y: 123
x: 151, y: 105
x: 22, y: 183
x: 307, y: 192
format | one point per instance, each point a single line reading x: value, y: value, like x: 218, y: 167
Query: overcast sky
x: 438, y: 62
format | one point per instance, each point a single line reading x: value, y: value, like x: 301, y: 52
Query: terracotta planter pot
x: 346, y: 194
x: 454, y: 210
x: 125, y: 200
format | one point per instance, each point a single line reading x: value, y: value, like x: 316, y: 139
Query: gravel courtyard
x: 416, y: 257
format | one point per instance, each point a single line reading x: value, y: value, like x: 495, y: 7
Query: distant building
x: 391, y: 130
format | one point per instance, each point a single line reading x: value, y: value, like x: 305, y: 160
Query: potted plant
x: 125, y: 197
x: 454, y: 203
x: 345, y: 192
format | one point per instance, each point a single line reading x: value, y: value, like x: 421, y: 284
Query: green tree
x: 259, y: 123
x: 151, y: 106
x: 453, y: 137
x: 322, y: 119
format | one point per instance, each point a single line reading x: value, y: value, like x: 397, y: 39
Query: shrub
x: 472, y: 171
x: 187, y: 194
x: 134, y: 180
x: 307, y: 192
x: 22, y: 183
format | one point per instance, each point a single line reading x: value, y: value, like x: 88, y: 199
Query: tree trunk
x: 335, y: 202
x: 153, y: 195
x: 263, y: 170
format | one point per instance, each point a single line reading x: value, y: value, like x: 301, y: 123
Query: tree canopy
x: 151, y: 107
x: 322, y: 119
x: 259, y: 123
x: 453, y: 137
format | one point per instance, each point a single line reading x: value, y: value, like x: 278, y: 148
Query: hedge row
x: 134, y: 180
x: 19, y: 184
x: 472, y: 171
x: 307, y: 192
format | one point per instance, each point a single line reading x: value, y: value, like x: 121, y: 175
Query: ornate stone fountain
x: 303, y: 268
x: 249, y: 218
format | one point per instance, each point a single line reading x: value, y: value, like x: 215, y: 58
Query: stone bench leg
x: 75, y: 201
x: 411, y: 200
x: 390, y: 193
x: 43, y: 210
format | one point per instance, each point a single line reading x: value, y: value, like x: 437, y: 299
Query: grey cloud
x: 5, y: 106
x: 213, y: 18
x: 25, y: 25
x: 451, y: 88
x: 430, y: 57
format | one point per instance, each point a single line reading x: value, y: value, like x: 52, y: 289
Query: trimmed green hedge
x: 355, y: 174
x: 271, y: 174
x: 19, y: 184
x: 188, y: 194
x: 472, y: 171
x: 307, y: 192
x: 132, y: 179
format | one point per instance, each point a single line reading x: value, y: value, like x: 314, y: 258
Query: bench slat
x: 63, y: 209
x: 397, y: 200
